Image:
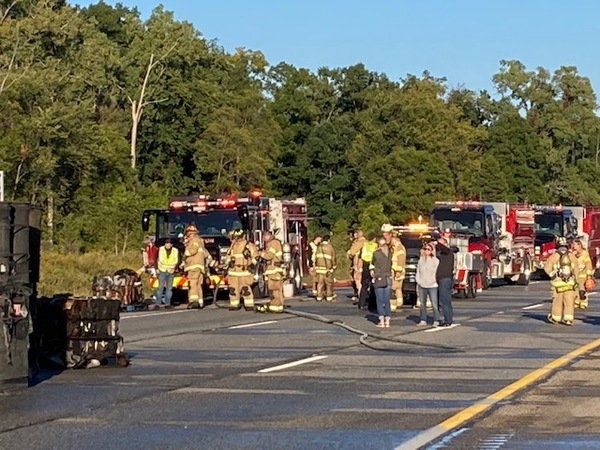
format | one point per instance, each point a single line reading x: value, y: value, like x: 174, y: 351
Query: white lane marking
x: 433, y: 330
x: 534, y: 282
x: 292, y: 364
x: 447, y: 439
x: 537, y: 305
x: 152, y: 314
x: 254, y: 324
x: 192, y: 390
x: 592, y: 293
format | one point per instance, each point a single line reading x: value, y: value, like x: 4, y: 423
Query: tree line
x: 103, y: 114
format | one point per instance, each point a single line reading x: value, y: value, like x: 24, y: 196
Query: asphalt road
x: 216, y: 379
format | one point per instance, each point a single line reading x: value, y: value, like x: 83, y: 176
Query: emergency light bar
x: 414, y: 228
x: 548, y: 207
x: 460, y: 203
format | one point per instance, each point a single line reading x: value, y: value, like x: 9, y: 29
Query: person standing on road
x: 427, y: 284
x: 355, y: 266
x: 167, y: 262
x: 325, y: 265
x: 563, y: 269
x: 195, y: 256
x: 273, y: 255
x: 444, y: 278
x: 586, y: 274
x: 313, y: 246
x: 381, y: 273
x: 240, y: 260
x: 366, y: 256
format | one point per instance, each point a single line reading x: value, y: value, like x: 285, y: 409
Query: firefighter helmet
x: 561, y: 241
x: 237, y: 233
x: 387, y: 228
x: 191, y: 228
x: 589, y: 284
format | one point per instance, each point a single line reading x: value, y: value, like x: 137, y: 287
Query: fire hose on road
x: 364, y: 335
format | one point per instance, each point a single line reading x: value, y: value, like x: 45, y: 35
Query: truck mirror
x: 145, y: 221
x: 244, y: 215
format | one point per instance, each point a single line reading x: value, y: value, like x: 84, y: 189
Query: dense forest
x: 103, y: 114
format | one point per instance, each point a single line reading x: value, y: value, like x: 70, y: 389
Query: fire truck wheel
x: 485, y: 280
x: 471, y: 290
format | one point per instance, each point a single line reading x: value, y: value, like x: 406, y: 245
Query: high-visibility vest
x: 167, y: 261
x: 367, y: 251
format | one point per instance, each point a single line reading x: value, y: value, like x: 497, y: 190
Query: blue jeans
x: 445, y: 291
x: 165, y: 283
x: 433, y: 295
x: 383, y: 300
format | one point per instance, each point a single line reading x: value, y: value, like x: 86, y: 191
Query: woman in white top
x: 427, y: 284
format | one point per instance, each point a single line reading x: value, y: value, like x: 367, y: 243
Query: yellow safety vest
x: 165, y: 261
x: 368, y: 250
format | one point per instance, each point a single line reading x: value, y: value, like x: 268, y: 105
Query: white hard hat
x: 387, y: 228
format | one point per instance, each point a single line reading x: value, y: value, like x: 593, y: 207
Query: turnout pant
x: 563, y: 305
x: 195, y: 281
x: 366, y: 288
x: 275, y: 285
x: 397, y: 299
x: 356, y: 281
x: 240, y: 289
x: 325, y: 286
x: 313, y: 274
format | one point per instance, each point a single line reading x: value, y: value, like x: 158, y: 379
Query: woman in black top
x: 381, y: 273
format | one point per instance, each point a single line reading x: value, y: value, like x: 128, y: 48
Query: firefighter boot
x: 248, y: 298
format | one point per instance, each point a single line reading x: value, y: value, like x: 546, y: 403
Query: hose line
x: 364, y: 335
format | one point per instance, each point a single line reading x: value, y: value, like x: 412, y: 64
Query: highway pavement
x: 215, y: 379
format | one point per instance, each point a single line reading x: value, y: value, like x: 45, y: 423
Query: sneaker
x: 436, y: 323
x: 422, y: 323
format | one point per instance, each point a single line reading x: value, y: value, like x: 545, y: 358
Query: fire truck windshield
x: 461, y: 221
x: 210, y: 223
x: 549, y: 224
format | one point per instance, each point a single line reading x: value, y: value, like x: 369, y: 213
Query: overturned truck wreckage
x: 78, y: 332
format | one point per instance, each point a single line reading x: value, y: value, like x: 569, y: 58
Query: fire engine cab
x: 550, y: 223
x: 215, y: 217
x: 494, y: 241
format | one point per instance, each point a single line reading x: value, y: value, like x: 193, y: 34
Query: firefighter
x: 273, y: 255
x: 313, y: 246
x: 240, y: 260
x: 195, y: 265
x: 324, y: 266
x: 398, y: 265
x: 586, y: 272
x: 563, y: 269
x: 365, y: 258
x: 355, y: 263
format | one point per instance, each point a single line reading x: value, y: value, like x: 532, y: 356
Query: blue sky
x: 462, y: 40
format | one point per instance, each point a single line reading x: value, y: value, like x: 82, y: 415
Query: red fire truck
x: 215, y: 217
x: 550, y: 223
x: 493, y: 241
x: 588, y: 230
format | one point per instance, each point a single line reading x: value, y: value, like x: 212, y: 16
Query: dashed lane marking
x: 255, y: 324
x: 470, y: 412
x: 292, y: 364
x: 433, y: 330
x: 537, y: 305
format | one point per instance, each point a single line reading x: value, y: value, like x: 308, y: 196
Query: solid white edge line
x: 292, y: 364
x: 152, y: 314
x: 534, y: 282
x: 254, y: 324
x: 537, y: 305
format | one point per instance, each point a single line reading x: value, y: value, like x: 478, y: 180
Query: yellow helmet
x: 237, y: 233
x: 190, y: 229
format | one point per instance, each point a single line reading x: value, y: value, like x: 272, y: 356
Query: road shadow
x: 542, y: 317
x: 591, y: 320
